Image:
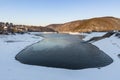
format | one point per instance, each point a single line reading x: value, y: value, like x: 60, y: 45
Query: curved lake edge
x: 50, y: 66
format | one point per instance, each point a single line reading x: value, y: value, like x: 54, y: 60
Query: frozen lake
x: 64, y: 51
x: 11, y: 69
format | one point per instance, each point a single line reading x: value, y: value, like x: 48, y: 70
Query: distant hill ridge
x: 88, y: 25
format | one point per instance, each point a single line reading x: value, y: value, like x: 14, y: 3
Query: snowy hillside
x: 11, y: 69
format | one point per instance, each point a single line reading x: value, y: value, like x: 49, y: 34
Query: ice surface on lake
x: 64, y: 51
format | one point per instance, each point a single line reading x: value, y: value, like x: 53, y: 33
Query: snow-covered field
x: 10, y: 69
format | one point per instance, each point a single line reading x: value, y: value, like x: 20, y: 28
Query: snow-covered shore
x: 11, y: 69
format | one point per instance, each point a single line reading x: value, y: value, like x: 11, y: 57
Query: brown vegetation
x: 89, y: 25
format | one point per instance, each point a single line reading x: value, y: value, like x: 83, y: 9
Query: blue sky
x: 44, y: 12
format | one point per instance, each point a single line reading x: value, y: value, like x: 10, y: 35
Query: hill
x: 88, y: 25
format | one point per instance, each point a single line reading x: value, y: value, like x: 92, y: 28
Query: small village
x: 10, y: 28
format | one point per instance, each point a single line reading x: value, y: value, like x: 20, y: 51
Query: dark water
x: 64, y: 51
x: 118, y: 55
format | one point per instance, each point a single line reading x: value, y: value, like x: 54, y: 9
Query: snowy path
x: 10, y: 69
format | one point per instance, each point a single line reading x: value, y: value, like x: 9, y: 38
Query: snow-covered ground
x: 10, y: 69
